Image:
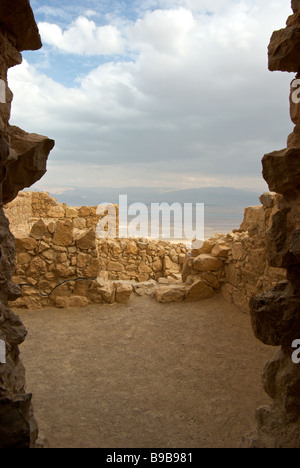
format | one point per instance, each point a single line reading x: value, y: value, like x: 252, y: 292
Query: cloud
x: 163, y: 30
x: 90, y: 13
x: 189, y: 103
x: 83, y: 37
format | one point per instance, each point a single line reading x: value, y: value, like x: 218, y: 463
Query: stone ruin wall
x: 57, y: 243
x: 275, y: 314
x: 23, y: 158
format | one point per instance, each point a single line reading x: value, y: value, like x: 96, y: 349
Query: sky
x: 154, y: 93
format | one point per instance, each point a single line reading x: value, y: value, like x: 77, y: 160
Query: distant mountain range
x: 217, y: 197
x: 224, y: 207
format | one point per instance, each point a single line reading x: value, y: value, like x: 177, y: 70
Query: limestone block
x: 84, y: 211
x: 143, y: 277
x: 123, y: 292
x: 257, y: 261
x: 186, y: 269
x: 146, y: 289
x: 43, y: 246
x: 131, y: 248
x: 211, y: 279
x: 49, y: 255
x: 205, y: 249
x: 26, y: 243
x: 63, y: 235
x: 65, y: 271
x: 62, y: 257
x: 56, y: 212
x: 171, y: 266
x: 102, y: 293
x: 237, y: 251
x: 115, y: 266
x: 71, y: 212
x: 92, y: 268
x: 82, y: 288
x: 233, y: 275
x: 37, y: 268
x: 24, y: 258
x: 87, y: 240
x: 254, y: 220
x: 181, y: 258
x: 206, y: 262
x: 79, y: 223
x: 114, y: 246
x: 69, y: 302
x: 163, y: 281
x: 199, y: 291
x: 83, y: 260
x: 268, y: 199
x: 169, y: 294
x: 157, y: 266
x: 220, y: 250
x: 143, y: 268
x: 39, y: 230
x: 284, y: 50
x: 281, y: 169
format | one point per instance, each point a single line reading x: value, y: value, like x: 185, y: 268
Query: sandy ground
x: 144, y: 375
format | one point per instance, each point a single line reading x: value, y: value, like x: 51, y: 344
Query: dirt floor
x: 145, y: 375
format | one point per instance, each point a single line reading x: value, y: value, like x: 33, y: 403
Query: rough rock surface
x: 23, y: 159
x: 276, y: 315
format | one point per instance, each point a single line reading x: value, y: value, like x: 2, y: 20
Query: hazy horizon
x: 224, y: 207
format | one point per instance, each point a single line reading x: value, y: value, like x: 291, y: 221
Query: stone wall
x: 275, y: 314
x: 57, y: 245
x: 247, y: 272
x: 23, y: 160
x: 236, y: 263
x: 30, y: 207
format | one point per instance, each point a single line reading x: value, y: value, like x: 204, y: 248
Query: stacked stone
x: 57, y: 243
x: 276, y: 315
x: 141, y: 259
x: 247, y: 272
x: 22, y: 162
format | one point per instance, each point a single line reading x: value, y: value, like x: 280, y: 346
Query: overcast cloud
x: 154, y: 93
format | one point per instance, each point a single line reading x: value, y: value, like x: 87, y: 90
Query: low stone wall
x: 30, y: 207
x: 247, y: 271
x: 62, y: 262
x: 234, y: 264
x: 57, y: 245
x: 140, y: 259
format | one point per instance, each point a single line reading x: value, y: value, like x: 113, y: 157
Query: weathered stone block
x: 123, y: 292
x: 87, y: 240
x: 199, y: 291
x: 207, y: 263
x: 169, y: 294
x: 281, y: 170
x: 284, y: 50
x: 63, y: 235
